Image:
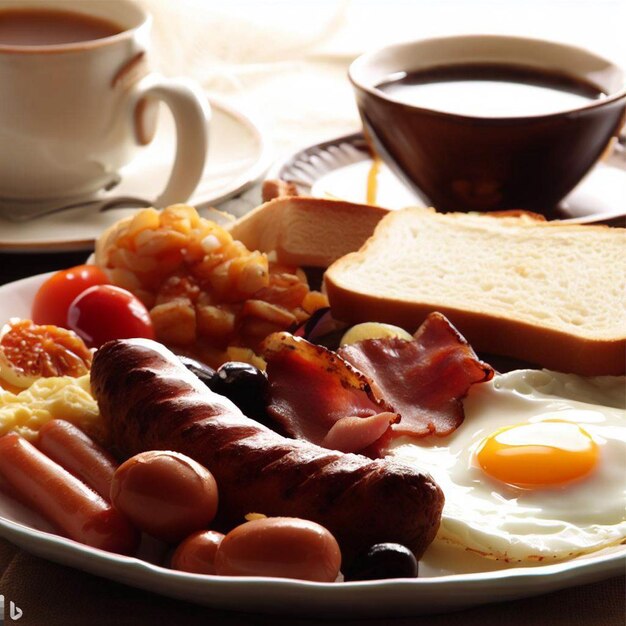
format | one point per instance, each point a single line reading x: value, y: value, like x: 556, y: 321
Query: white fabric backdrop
x: 286, y: 61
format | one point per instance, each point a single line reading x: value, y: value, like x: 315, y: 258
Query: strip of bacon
x: 425, y: 379
x: 317, y: 396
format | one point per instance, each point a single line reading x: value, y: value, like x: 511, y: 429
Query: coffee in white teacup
x: 79, y: 100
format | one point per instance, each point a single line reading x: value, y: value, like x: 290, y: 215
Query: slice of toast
x: 307, y: 231
x: 548, y: 293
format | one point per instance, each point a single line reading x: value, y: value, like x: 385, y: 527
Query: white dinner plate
x: 450, y: 579
x: 238, y: 156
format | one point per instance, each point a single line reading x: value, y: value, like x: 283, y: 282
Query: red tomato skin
x: 105, y: 312
x: 56, y: 293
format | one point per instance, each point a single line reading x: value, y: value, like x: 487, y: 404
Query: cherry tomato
x: 196, y: 554
x: 105, y: 312
x: 284, y: 547
x: 55, y: 295
x: 165, y: 494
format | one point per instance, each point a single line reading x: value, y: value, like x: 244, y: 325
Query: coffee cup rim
x: 144, y: 20
x: 361, y: 62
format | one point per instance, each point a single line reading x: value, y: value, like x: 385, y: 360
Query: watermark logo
x: 14, y: 611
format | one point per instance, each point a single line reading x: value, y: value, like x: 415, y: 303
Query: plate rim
x: 589, y: 561
x: 410, y: 596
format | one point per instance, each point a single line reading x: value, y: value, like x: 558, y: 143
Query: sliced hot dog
x: 73, y: 450
x: 77, y: 511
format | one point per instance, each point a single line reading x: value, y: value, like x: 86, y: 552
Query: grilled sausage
x: 150, y: 401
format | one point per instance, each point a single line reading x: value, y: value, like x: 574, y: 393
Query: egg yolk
x: 538, y: 455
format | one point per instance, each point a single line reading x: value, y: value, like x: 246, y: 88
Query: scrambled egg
x: 62, y: 397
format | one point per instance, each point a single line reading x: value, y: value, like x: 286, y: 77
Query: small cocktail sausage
x: 196, y: 554
x: 284, y: 547
x: 63, y: 500
x: 165, y: 494
x: 73, y: 450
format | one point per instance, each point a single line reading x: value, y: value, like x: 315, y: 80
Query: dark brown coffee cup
x: 461, y: 162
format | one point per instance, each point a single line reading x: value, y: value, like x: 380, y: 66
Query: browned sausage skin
x: 150, y: 401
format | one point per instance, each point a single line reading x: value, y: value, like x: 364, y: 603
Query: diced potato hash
x: 207, y: 293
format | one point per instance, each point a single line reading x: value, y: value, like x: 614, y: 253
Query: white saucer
x: 339, y: 169
x: 238, y: 156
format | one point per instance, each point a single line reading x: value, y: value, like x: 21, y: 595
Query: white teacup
x: 73, y: 114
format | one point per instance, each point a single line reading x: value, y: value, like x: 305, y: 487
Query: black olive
x: 245, y: 385
x: 205, y: 373
x: 383, y: 560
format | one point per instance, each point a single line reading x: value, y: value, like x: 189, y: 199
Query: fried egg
x: 537, y: 470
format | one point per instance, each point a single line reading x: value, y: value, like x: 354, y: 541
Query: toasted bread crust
x: 273, y: 189
x: 487, y: 329
x: 293, y: 227
x: 544, y: 347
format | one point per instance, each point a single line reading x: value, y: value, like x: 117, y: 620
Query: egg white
x: 514, y: 524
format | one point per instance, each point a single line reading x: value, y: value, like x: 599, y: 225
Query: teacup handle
x: 192, y: 113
